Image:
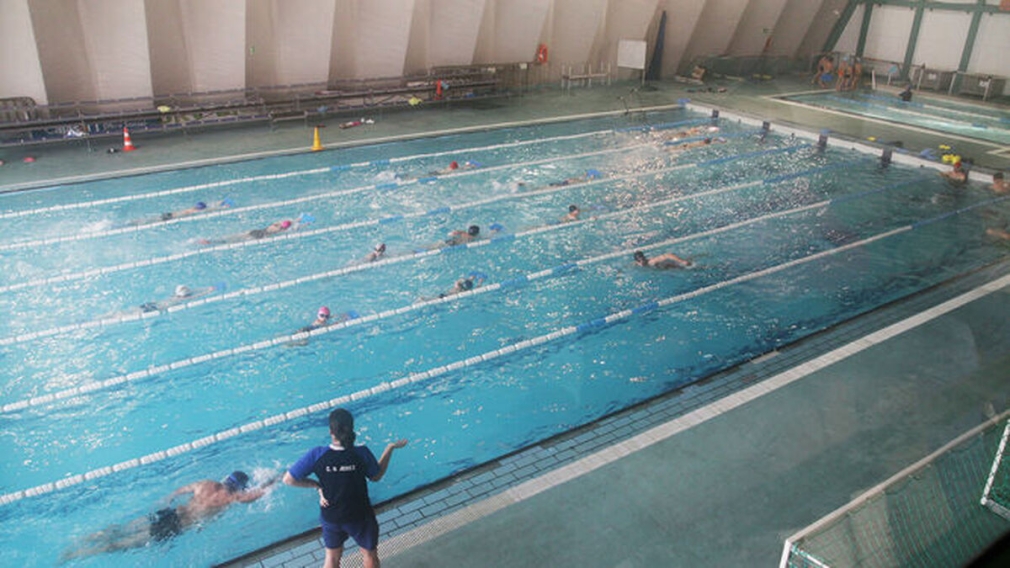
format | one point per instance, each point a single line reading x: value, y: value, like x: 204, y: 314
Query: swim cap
x: 573, y: 208
x: 285, y: 224
x: 200, y: 205
x: 381, y: 247
x: 182, y: 291
x: 473, y: 231
x: 453, y: 165
x: 639, y: 256
x: 324, y: 312
x: 236, y: 481
x: 467, y: 284
x: 997, y: 175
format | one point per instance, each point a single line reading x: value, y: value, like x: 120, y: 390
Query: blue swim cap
x: 593, y: 174
x: 200, y: 205
x: 236, y: 481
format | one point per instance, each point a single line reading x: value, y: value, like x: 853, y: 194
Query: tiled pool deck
x: 469, y: 499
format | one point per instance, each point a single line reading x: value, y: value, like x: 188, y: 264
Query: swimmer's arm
x: 387, y: 454
x: 254, y: 494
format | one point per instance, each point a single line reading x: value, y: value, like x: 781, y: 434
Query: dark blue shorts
x: 364, y: 532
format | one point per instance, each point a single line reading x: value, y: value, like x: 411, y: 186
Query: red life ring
x: 542, y: 53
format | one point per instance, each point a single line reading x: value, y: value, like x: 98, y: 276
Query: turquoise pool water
x: 107, y: 408
x: 979, y: 121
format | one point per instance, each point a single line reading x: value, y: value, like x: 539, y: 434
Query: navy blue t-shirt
x: 343, y: 475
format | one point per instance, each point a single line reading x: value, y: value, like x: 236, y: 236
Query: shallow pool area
x: 786, y: 240
x: 960, y: 118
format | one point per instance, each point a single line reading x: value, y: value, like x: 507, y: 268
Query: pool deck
x: 718, y: 473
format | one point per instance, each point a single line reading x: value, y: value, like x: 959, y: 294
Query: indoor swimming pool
x: 117, y: 390
x: 989, y: 123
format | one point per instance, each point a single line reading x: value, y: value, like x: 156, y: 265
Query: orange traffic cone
x: 127, y: 143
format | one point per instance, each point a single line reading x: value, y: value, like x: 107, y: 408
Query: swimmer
x: 256, y: 234
x: 573, y: 214
x: 198, y: 207
x: 690, y: 132
x: 461, y: 285
x: 323, y: 319
x: 589, y: 175
x: 665, y: 260
x: 209, y: 498
x: 378, y: 252
x: 697, y: 144
x: 999, y: 185
x: 957, y: 176
x: 472, y: 233
x: 453, y: 166
x: 181, y: 295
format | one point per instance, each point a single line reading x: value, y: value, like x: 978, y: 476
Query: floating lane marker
x: 560, y: 270
x: 415, y: 378
x: 313, y: 171
x: 345, y: 227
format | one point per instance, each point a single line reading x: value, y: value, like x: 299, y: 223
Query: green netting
x: 996, y: 495
x: 930, y: 517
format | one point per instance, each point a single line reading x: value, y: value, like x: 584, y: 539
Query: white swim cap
x: 182, y: 291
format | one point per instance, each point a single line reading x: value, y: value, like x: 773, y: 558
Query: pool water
x: 982, y: 122
x: 108, y: 408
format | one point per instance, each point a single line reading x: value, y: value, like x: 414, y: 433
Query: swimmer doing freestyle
x: 208, y: 498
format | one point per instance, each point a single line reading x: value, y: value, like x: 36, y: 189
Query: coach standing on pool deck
x: 344, y: 507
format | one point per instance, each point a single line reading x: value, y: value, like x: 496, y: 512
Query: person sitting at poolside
x: 573, y: 214
x: 844, y: 74
x: 956, y: 176
x: 906, y: 94
x: 590, y: 174
x: 999, y: 185
x: 823, y: 75
x: 665, y: 260
x: 209, y: 498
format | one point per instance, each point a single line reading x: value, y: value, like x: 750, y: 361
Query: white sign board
x: 631, y: 54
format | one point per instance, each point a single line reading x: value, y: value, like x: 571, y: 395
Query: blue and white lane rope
x: 312, y: 171
x: 315, y: 197
x: 507, y: 284
x: 415, y: 378
x: 245, y: 292
x: 338, y: 228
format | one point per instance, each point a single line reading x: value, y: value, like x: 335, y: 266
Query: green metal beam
x: 864, y: 29
x: 969, y: 46
x: 839, y: 27
x: 979, y: 7
x: 913, y: 39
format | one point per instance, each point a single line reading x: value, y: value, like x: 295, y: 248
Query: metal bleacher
x: 22, y: 122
